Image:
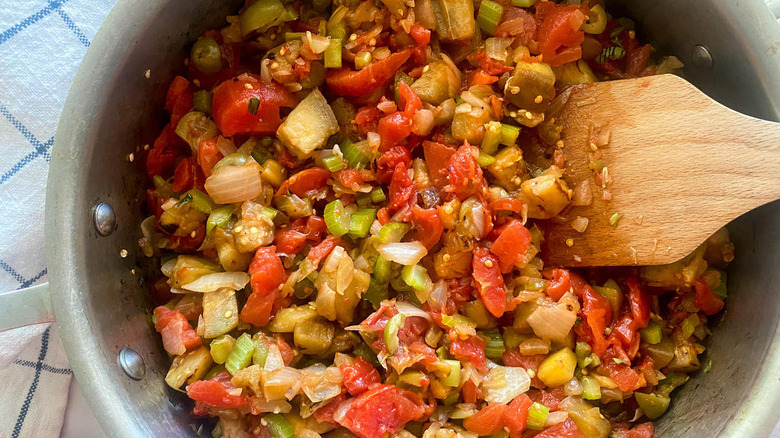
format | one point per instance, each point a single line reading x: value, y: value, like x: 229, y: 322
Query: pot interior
x: 113, y: 110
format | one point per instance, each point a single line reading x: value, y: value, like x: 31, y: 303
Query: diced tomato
x: 471, y: 349
x: 325, y: 413
x: 506, y: 204
x: 178, y: 86
x: 190, y: 241
x: 487, y: 421
x: 305, y: 183
x: 517, y: 23
x: 178, y: 101
x: 291, y: 239
x: 350, y: 178
x: 383, y: 409
x: 479, y: 77
x: 420, y: 35
x: 208, y: 155
x: 513, y: 358
x: 511, y: 245
x: 267, y: 274
x: 358, y: 376
x: 470, y: 392
x: 184, y: 177
x: 567, y: 429
x: 625, y: 329
x: 177, y: 334
x: 516, y: 415
x: 215, y: 394
x: 626, y: 378
x: 162, y: 156
x: 644, y: 430
x: 437, y: 157
x: 411, y: 102
x: 559, y: 34
x: 706, y: 300
x: 367, y: 118
x: 393, y: 129
x: 640, y: 303
x: 322, y: 250
x: 490, y: 284
x: 387, y: 162
x: 559, y: 282
x: 347, y: 82
x: 285, y: 350
x: 464, y: 174
x: 230, y: 106
x: 426, y: 226
x: 636, y: 60
x: 491, y: 66
x: 598, y: 316
x: 402, y: 191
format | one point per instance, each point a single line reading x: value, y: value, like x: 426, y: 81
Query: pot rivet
x: 701, y: 57
x: 131, y: 363
x: 104, y: 218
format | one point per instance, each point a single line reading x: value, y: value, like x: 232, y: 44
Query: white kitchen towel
x: 42, y: 43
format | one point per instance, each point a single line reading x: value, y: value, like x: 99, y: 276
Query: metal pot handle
x: 27, y: 306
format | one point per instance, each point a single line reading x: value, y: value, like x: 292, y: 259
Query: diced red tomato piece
x: 402, y: 191
x: 706, y: 300
x: 387, y: 162
x: 511, y: 244
x: 325, y: 413
x: 559, y: 34
x: 358, y: 376
x: 490, y: 284
x: 367, y: 118
x: 208, y: 155
x: 350, y: 178
x: 190, y: 241
x: 567, y: 429
x: 230, y: 106
x: 393, y: 129
x: 491, y: 66
x: 513, y: 358
x: 598, y: 316
x: 479, y: 77
x: 411, y: 102
x: 517, y: 23
x: 383, y: 409
x: 162, y: 156
x: 426, y: 226
x: 487, y: 421
x: 464, y: 174
x: 437, y: 157
x: 178, y: 86
x: 644, y: 430
x: 291, y: 239
x: 267, y: 274
x: 305, y: 182
x: 506, y: 204
x: 215, y: 394
x: 470, y: 350
x: 516, y: 415
x: 640, y: 303
x: 559, y: 282
x: 177, y: 334
x: 347, y: 82
x: 184, y: 176
x: 420, y: 35
x: 322, y: 250
x: 636, y: 60
x: 626, y: 378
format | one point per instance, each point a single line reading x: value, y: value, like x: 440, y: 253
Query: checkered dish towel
x: 41, y: 46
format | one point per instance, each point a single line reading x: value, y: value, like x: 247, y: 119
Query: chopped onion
x: 410, y: 310
x: 212, y: 282
x: 473, y: 100
x: 422, y: 122
x: 405, y: 253
x: 583, y: 194
x: 226, y: 146
x: 230, y: 184
x: 317, y: 43
x: 580, y: 224
x: 554, y: 321
x: 555, y: 417
x: 284, y: 382
x: 374, y: 140
x: 274, y: 359
x: 320, y: 383
x: 265, y: 70
x: 259, y: 405
x: 438, y: 297
x: 167, y: 267
x: 496, y: 48
x: 445, y: 112
x: 342, y: 410
x: 574, y: 387
x: 503, y: 384
x: 387, y: 106
x: 533, y: 346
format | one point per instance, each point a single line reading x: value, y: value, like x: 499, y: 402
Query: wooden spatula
x: 681, y: 166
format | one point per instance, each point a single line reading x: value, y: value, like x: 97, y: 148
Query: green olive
x: 205, y: 55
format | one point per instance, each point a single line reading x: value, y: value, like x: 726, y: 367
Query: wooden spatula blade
x: 678, y: 167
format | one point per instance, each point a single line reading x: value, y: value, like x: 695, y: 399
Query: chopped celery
x: 652, y: 333
x: 360, y: 222
x: 337, y: 219
x: 489, y: 15
x: 221, y: 348
x: 216, y: 369
x: 278, y: 426
x: 378, y: 195
x: 393, y: 232
x: 391, y: 332
x: 416, y: 276
x: 289, y: 36
x: 241, y: 355
x: 377, y: 292
x: 509, y: 134
x: 356, y: 154
x: 260, y: 353
x: 523, y: 3
x: 332, y: 55
x: 452, y: 378
x: 456, y: 319
x: 495, y: 347
x: 590, y: 388
x: 260, y: 14
x: 615, y: 219
x: 333, y: 163
x: 219, y: 217
x: 537, y: 415
x: 382, y: 269
x: 485, y: 160
x: 363, y: 199
x: 201, y: 101
x: 339, y: 31
x: 492, y: 138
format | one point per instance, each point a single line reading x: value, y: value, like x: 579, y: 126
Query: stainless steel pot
x: 95, y: 196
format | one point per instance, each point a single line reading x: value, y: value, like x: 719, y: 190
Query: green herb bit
x: 615, y: 219
x: 254, y: 104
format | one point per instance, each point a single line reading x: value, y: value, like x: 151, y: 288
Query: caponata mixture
x: 344, y: 203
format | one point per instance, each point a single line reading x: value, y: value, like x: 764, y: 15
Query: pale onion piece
x: 463, y: 410
x: 167, y: 267
x: 473, y: 100
x: 410, y: 309
x: 232, y: 428
x: 438, y: 296
x: 282, y: 383
x: 580, y: 224
x: 274, y: 359
x: 308, y: 433
x: 503, y: 384
x: 342, y: 410
x: 387, y: 106
x: 317, y: 43
x: 556, y: 417
x: 422, y: 122
x: 554, y: 321
x: 574, y: 387
x: 583, y: 194
x: 226, y: 146
x: 261, y: 405
x: 374, y: 140
x: 230, y: 184
x: 212, y: 282
x: 320, y: 383
x: 265, y: 70
x: 444, y: 112
x: 496, y: 48
x: 534, y: 346
x: 405, y: 253
x: 376, y: 226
